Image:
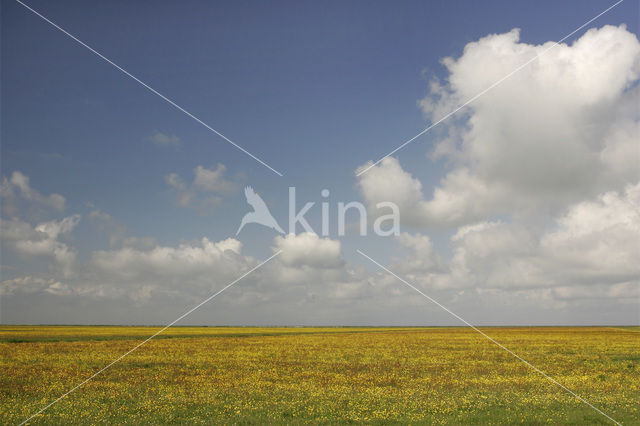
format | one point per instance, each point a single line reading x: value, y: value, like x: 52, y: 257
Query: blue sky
x: 314, y: 89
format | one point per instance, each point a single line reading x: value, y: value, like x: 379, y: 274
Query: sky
x: 522, y: 208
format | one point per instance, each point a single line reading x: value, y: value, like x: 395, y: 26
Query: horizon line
x: 318, y: 326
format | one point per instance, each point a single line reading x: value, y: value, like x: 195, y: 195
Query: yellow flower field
x: 319, y: 375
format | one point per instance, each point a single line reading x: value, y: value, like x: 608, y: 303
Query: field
x: 320, y: 375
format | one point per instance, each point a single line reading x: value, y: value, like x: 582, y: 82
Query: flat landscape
x: 326, y: 375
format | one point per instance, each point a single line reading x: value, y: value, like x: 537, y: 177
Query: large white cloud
x: 592, y: 249
x: 561, y: 129
x: 543, y: 194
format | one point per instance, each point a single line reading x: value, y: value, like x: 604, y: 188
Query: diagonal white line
x: 407, y: 142
x: 154, y: 335
x: 533, y: 367
x: 151, y: 89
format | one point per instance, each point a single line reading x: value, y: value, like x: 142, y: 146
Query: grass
x: 321, y: 375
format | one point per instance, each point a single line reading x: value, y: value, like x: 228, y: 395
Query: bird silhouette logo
x: 260, y: 213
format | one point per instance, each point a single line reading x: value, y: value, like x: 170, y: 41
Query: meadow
x: 319, y: 375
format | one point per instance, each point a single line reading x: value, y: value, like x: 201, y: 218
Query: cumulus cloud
x: 310, y: 270
x: 592, y: 249
x: 17, y: 190
x: 542, y: 192
x: 307, y: 249
x: 42, y: 240
x: 311, y: 281
x: 28, y: 284
x: 599, y: 241
x: 388, y: 181
x: 205, y: 259
x: 212, y: 179
x: 184, y: 195
x: 175, y: 275
x: 422, y: 262
x: 313, y: 269
x: 184, y: 273
x: 310, y: 276
x: 561, y: 129
x: 205, y: 192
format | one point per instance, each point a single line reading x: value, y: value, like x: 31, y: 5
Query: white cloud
x: 591, y: 250
x: 562, y: 129
x: 307, y: 249
x: 20, y: 200
x: 311, y: 280
x: 42, y: 240
x: 184, y: 195
x: 599, y: 241
x: 387, y: 181
x: 310, y: 274
x: 422, y: 260
x: 29, y: 285
x: 624, y: 292
x: 309, y: 269
x: 204, y: 258
x: 211, y: 180
x: 312, y: 270
x: 165, y: 140
x: 553, y: 151
x: 205, y: 192
x: 17, y: 188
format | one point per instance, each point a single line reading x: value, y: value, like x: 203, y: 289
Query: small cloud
x: 205, y: 192
x: 16, y: 190
x: 98, y: 214
x: 164, y: 140
x: 51, y: 156
x: 211, y: 180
